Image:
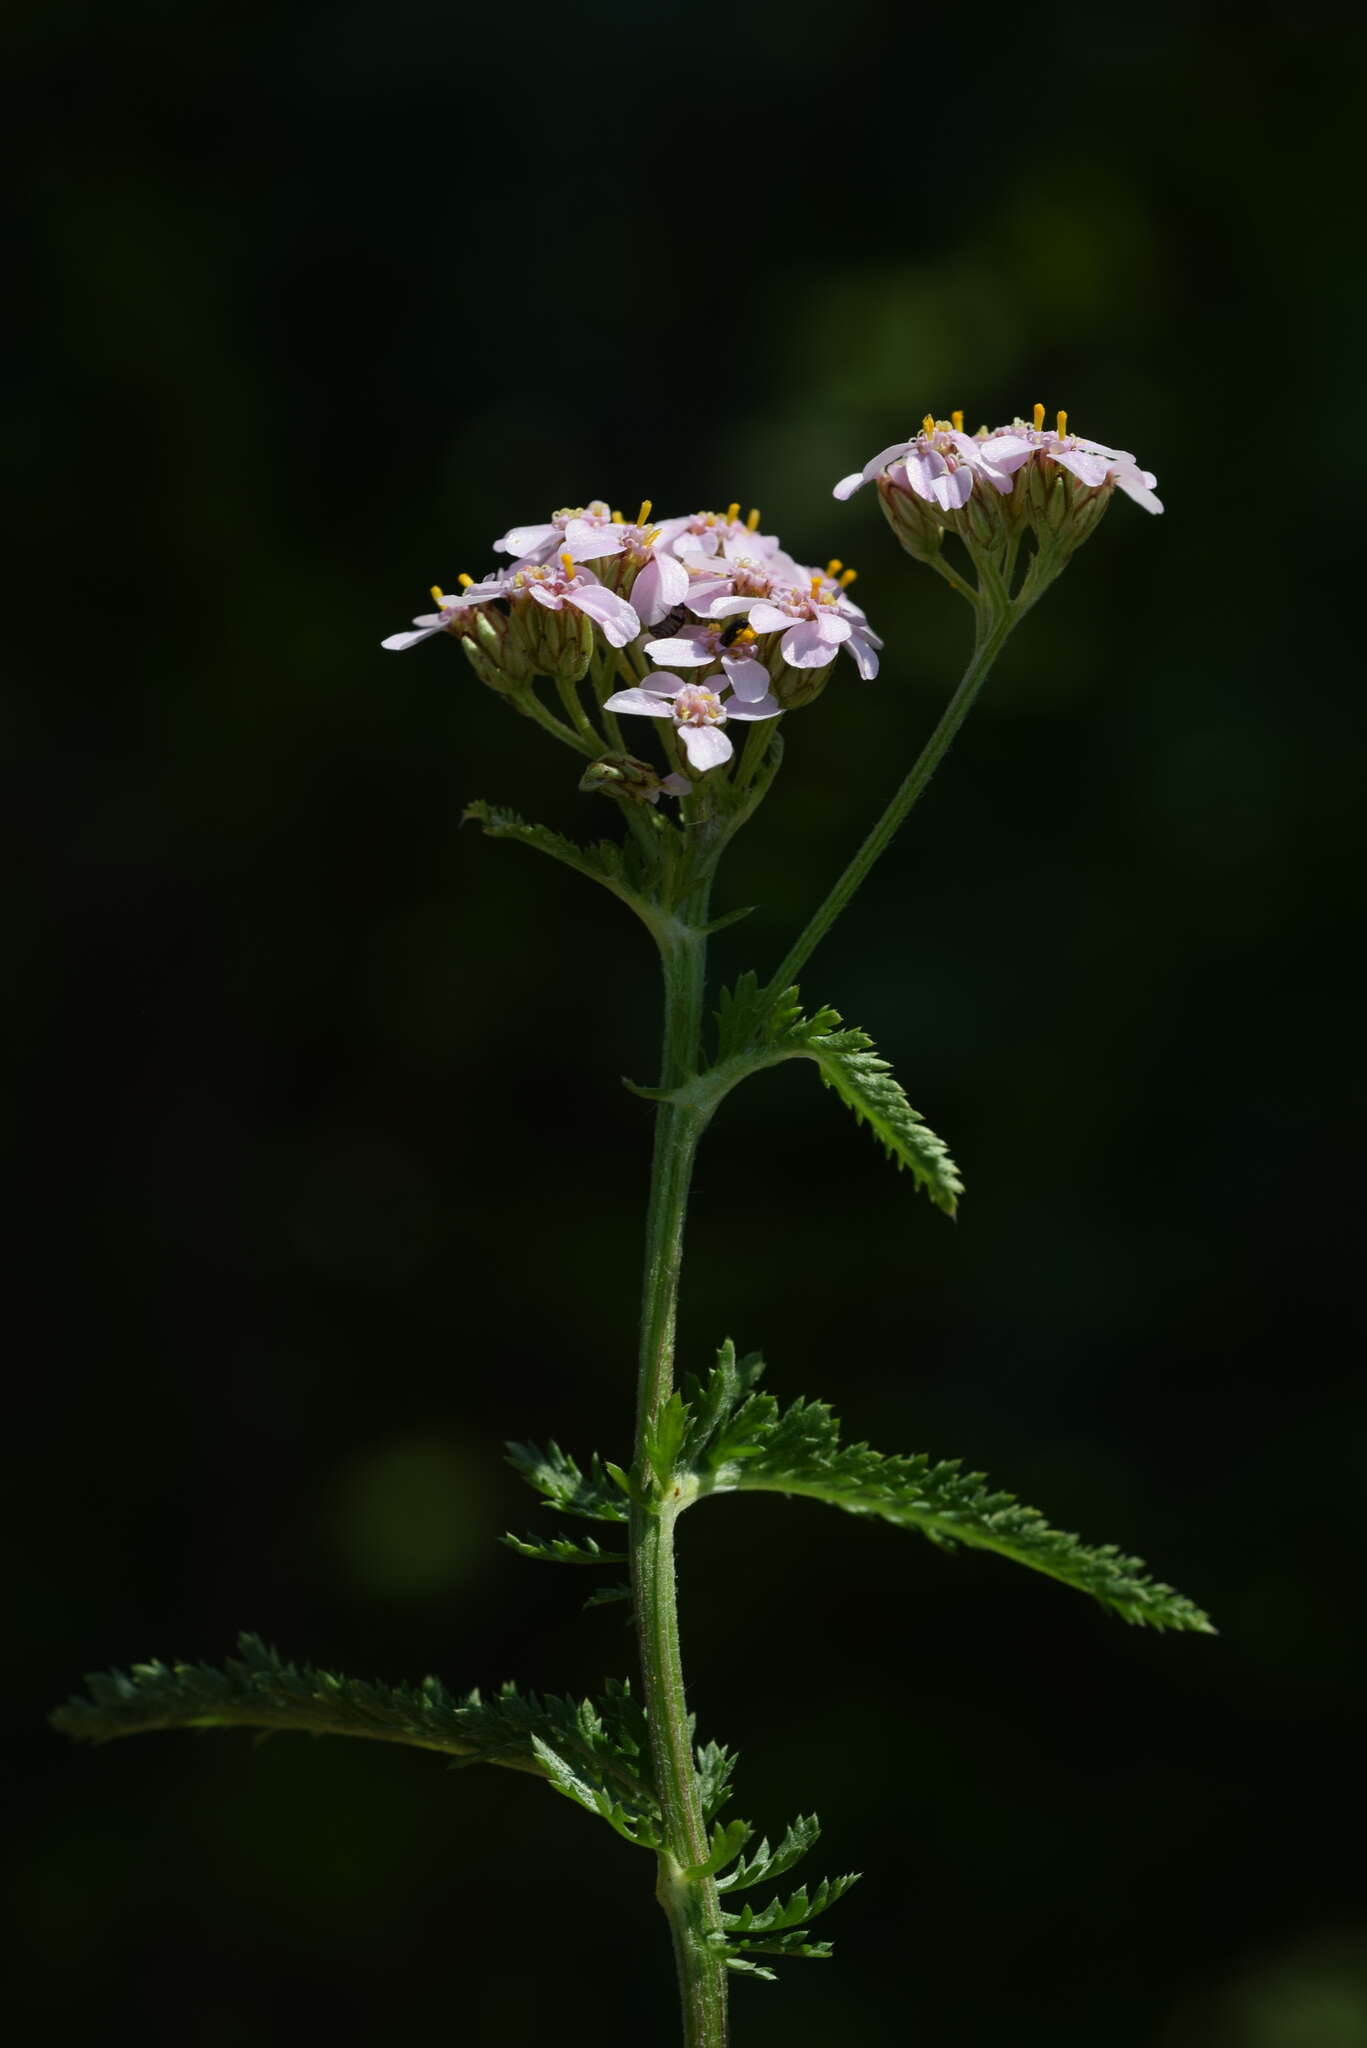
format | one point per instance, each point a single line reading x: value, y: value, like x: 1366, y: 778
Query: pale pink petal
x: 954, y: 488
x: 551, y: 600
x: 645, y: 595
x: 638, y: 704
x: 804, y: 646
x: 691, y: 649
x: 1088, y: 469
x: 865, y: 658
x: 748, y: 678
x: 1135, y: 483
x: 670, y: 530
x: 762, y: 707
x: 848, y: 485
x: 533, y: 543
x: 705, y: 745
x: 674, y: 578
x: 492, y: 587
x: 1004, y: 451
x: 616, y: 617
x: 587, y: 541
x: 704, y: 591
x: 427, y: 626
x: 721, y: 607
x: 923, y: 469
x: 677, y: 785
x: 1100, y: 448
x: 831, y: 626
x: 664, y: 684
x: 767, y: 618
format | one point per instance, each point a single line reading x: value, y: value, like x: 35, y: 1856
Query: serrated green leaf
x: 791, y: 1912
x: 596, y: 1496
x: 744, y: 1967
x: 758, y: 1028
x: 257, y: 1689
x: 754, y: 1446
x: 608, y: 1596
x: 866, y: 1084
x: 634, y: 1826
x: 715, y: 1766
x: 788, y: 1945
x: 664, y: 1438
x: 727, y: 1840
x: 618, y: 868
x: 560, y: 1550
x: 768, y: 1863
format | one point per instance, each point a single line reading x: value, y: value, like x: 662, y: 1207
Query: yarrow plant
x: 704, y: 627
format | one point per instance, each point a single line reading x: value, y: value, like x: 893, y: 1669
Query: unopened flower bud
x: 795, y: 688
x: 493, y: 655
x: 1062, y: 511
x: 629, y: 781
x: 557, y: 643
x: 911, y: 518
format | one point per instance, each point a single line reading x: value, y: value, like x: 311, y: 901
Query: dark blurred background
x: 329, y: 1185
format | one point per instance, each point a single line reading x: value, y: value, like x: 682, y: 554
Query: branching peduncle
x: 994, y: 625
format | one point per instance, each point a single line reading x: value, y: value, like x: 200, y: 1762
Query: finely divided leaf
x: 604, y: 1743
x: 791, y: 1912
x: 631, y: 1823
x: 756, y: 1029
x: 596, y: 1496
x: 868, y: 1086
x: 561, y: 1550
x: 753, y: 1445
x: 767, y: 1862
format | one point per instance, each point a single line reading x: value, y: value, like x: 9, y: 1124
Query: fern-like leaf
x: 605, y: 1742
x: 596, y: 1496
x: 767, y: 1863
x: 754, y: 1445
x: 757, y: 1028
x: 790, y: 1912
x: 617, y: 868
x: 561, y: 1550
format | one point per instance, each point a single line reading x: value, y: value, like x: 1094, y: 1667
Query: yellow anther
x: 956, y: 420
x: 928, y: 424
x: 465, y: 579
x: 733, y: 512
x: 438, y: 596
x: 1039, y: 417
x: 752, y: 518
x: 816, y: 585
x: 1063, y: 426
x: 650, y: 539
x: 568, y: 562
x: 848, y: 578
x: 617, y: 519
x: 833, y: 567
x: 644, y: 513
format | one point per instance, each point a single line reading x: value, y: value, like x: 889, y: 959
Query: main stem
x: 690, y: 1903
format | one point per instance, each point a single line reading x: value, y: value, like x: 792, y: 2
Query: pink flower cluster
x: 756, y: 631
x: 943, y: 465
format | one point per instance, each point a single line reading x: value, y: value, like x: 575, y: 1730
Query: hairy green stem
x: 994, y: 624
x: 690, y: 1903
